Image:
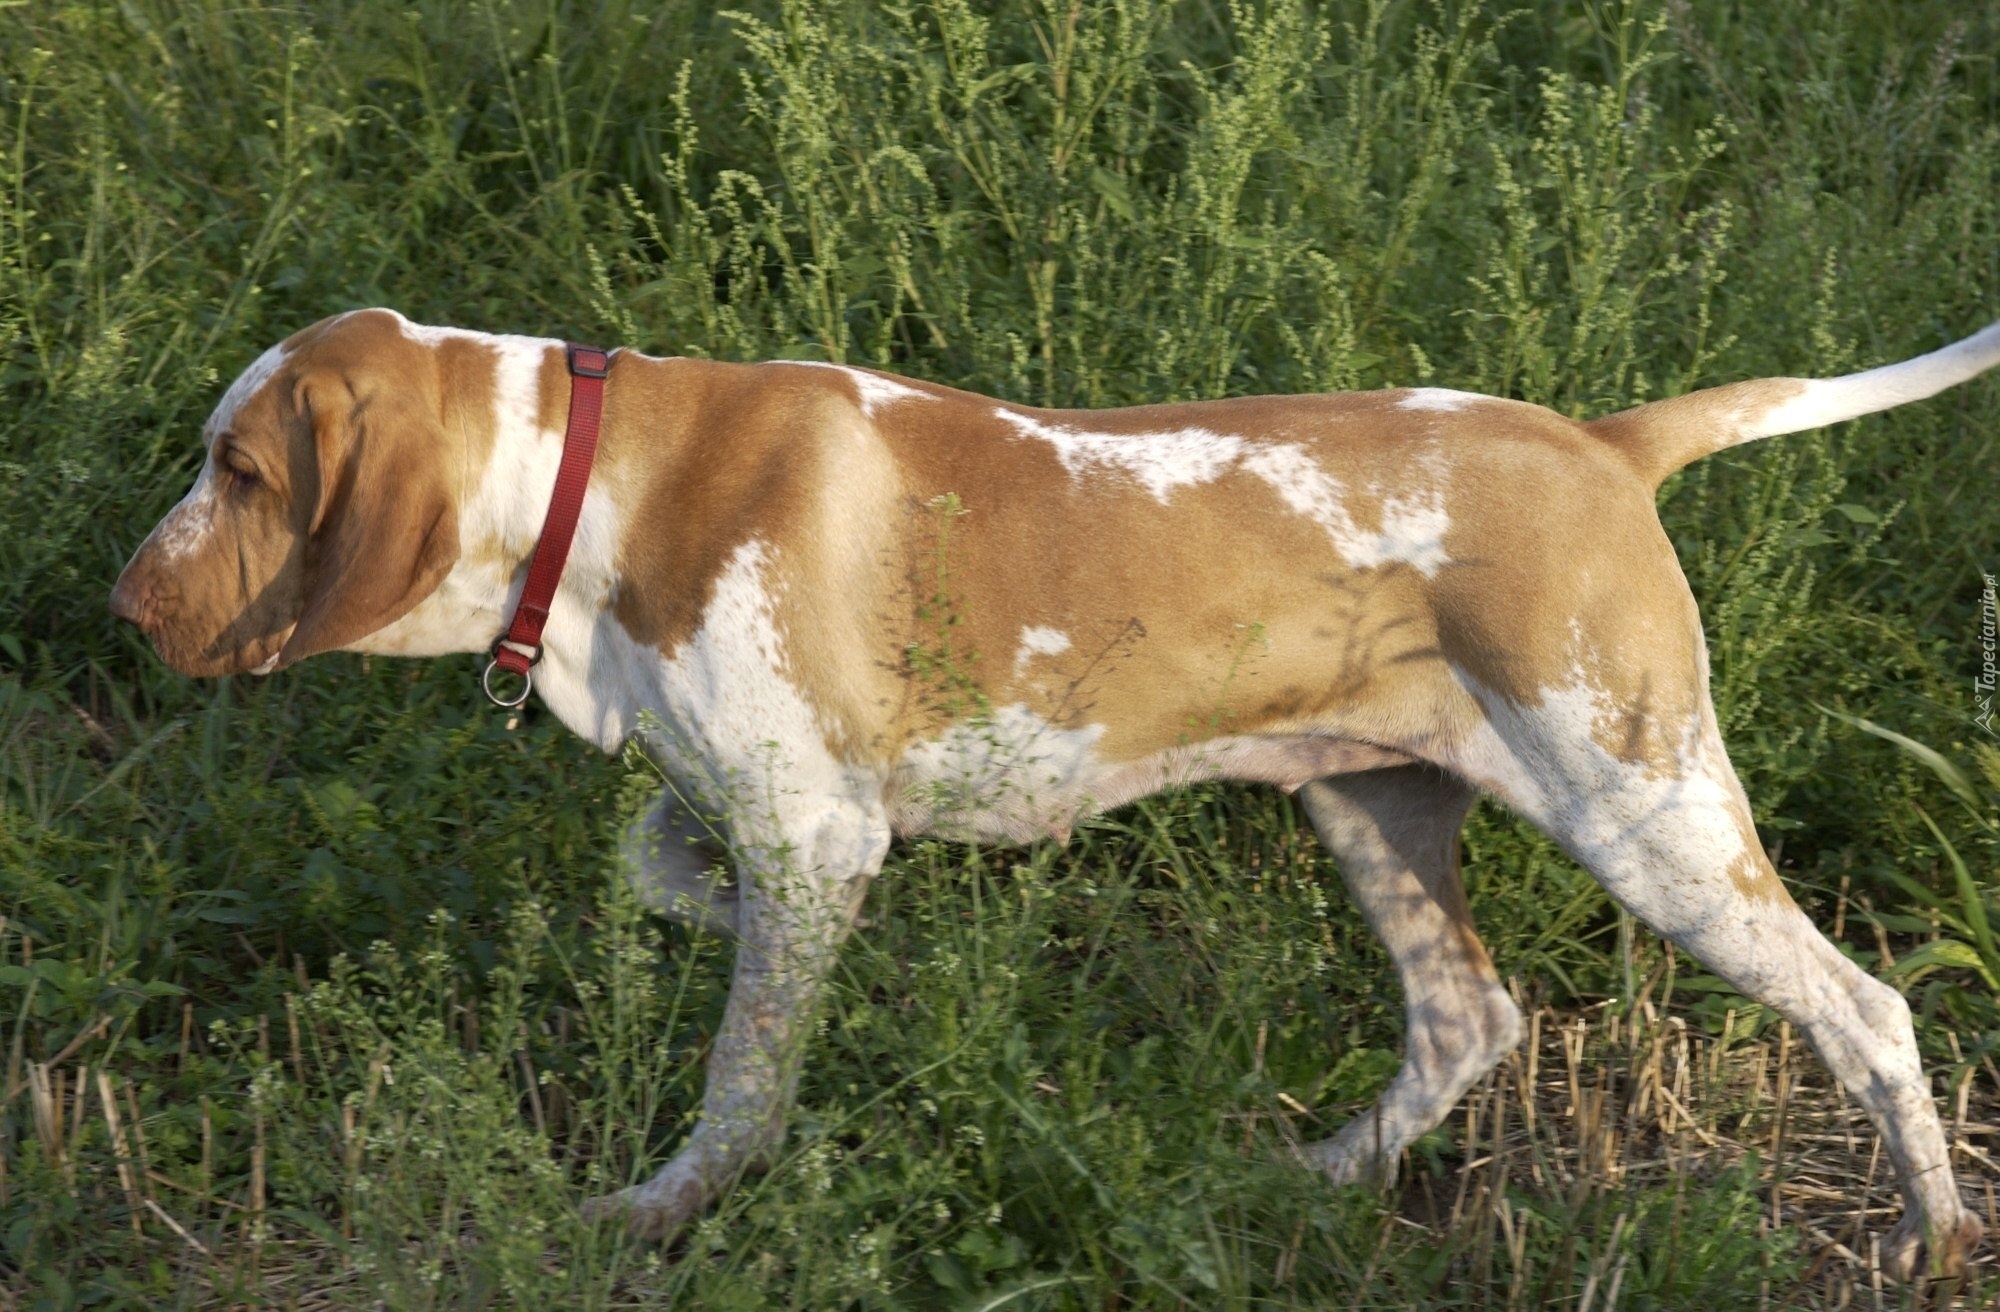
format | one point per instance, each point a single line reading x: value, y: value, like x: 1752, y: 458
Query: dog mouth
x: 263, y: 656
x: 219, y: 657
x: 270, y: 664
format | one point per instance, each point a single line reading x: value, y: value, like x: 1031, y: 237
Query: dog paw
x: 1908, y: 1252
x: 1346, y: 1160
x: 655, y: 1211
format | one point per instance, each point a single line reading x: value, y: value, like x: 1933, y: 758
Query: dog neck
x: 507, y: 438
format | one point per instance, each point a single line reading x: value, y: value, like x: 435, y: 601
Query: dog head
x: 326, y: 506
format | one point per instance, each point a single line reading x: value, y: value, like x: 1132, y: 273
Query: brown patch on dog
x: 707, y: 456
x: 468, y: 394
x: 1251, y: 622
x: 552, y: 388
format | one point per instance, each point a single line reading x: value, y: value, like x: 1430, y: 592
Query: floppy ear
x: 384, y: 524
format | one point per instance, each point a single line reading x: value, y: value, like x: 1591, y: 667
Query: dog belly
x: 1009, y: 777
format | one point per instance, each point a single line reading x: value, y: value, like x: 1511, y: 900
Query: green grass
x: 345, y: 944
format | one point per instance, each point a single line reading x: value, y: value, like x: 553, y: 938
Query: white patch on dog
x: 1437, y: 398
x: 433, y: 335
x: 725, y: 716
x: 1413, y: 524
x: 247, y: 384
x: 1039, y: 641
x: 735, y: 727
x: 182, y: 529
x: 511, y: 499
x: 995, y: 776
x: 870, y: 390
x: 1160, y: 461
x: 1615, y: 816
x: 728, y: 681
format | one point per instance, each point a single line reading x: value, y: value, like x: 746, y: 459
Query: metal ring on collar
x: 486, y: 682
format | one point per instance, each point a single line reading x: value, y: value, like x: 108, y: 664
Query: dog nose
x: 127, y: 603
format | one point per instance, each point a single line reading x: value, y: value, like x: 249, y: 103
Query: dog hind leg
x: 1394, y: 835
x: 1671, y: 838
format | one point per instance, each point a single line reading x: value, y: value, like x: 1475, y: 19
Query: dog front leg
x: 798, y: 900
x: 673, y: 861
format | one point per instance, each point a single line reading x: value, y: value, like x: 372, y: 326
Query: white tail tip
x: 1823, y: 401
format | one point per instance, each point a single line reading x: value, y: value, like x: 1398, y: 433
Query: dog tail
x: 1668, y: 435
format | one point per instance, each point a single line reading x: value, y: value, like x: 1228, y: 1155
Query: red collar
x: 520, y: 649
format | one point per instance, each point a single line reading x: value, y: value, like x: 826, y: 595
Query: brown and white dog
x: 1385, y: 601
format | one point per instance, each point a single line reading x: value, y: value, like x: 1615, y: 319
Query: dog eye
x: 242, y: 474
